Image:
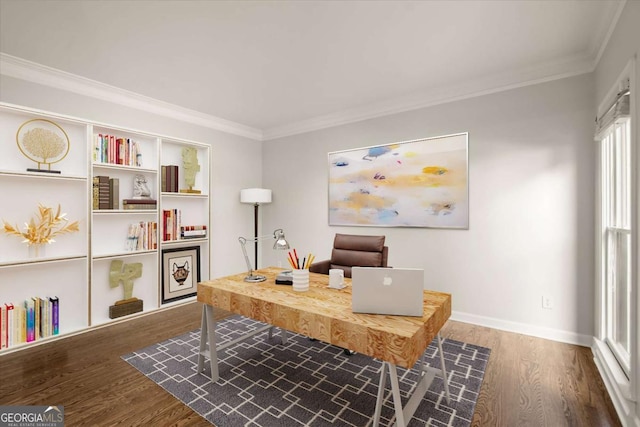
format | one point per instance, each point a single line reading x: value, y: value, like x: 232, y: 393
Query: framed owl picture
x: 180, y: 273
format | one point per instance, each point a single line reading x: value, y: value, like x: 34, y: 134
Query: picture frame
x: 180, y: 273
x: 418, y: 183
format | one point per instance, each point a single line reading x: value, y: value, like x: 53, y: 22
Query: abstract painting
x: 420, y: 183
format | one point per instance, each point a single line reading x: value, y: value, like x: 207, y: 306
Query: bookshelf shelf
x: 123, y: 168
x: 43, y: 260
x: 78, y: 267
x: 124, y: 254
x: 125, y: 211
x: 185, y: 195
x: 37, y: 175
x: 184, y: 242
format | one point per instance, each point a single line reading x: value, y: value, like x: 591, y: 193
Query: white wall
x: 531, y: 156
x: 236, y: 160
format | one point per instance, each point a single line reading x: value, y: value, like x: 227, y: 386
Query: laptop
x: 380, y: 290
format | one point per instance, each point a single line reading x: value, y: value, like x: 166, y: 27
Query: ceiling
x: 282, y: 67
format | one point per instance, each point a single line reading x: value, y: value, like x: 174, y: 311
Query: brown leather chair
x: 351, y: 250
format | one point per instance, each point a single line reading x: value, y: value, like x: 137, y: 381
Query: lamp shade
x: 255, y: 195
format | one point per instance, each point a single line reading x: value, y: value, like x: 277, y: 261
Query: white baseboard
x: 523, y: 328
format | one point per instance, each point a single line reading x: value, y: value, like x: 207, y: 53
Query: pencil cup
x: 301, y: 280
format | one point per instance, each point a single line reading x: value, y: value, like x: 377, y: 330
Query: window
x: 616, y: 228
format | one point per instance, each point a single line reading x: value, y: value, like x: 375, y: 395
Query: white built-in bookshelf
x: 76, y: 267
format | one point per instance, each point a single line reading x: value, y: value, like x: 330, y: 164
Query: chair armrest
x: 321, y: 267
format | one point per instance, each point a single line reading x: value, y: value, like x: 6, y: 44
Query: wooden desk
x: 325, y: 314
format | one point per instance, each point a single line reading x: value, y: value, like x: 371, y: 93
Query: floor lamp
x: 255, y: 196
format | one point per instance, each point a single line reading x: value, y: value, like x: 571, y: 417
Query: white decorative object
x: 140, y: 188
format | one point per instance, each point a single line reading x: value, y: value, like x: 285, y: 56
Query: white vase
x: 38, y: 250
x: 300, y: 280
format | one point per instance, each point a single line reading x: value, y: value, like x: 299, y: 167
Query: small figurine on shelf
x: 140, y: 188
x: 191, y: 167
x: 125, y: 273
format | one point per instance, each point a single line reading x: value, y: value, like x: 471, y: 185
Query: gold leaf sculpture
x: 44, y: 142
x: 44, y: 228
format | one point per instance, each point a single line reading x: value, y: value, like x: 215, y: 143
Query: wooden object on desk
x: 325, y: 314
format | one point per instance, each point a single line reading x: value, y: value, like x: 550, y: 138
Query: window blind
x: 620, y: 109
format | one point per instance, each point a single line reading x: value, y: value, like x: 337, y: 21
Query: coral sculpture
x: 43, y: 144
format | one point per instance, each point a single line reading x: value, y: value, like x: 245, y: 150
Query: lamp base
x: 254, y: 278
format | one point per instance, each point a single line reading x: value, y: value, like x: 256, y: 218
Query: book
x: 36, y: 318
x: 55, y: 314
x: 132, y: 206
x: 44, y: 317
x: 169, y: 178
x: 193, y: 227
x: 22, y: 317
x: 139, y: 201
x: 3, y: 327
x: 96, y: 193
x: 114, y: 193
x: 174, y: 179
x: 31, y: 319
x: 112, y: 149
x: 194, y: 233
x: 18, y: 325
x: 96, y: 148
x: 129, y: 204
x: 154, y: 236
x: 103, y: 192
x: 11, y: 321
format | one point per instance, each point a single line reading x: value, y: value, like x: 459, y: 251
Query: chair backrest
x: 351, y: 250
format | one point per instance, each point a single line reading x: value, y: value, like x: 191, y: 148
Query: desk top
x: 325, y: 314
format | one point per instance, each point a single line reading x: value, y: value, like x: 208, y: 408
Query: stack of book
x: 142, y: 236
x: 128, y: 204
x: 29, y: 321
x: 106, y: 192
x: 171, y: 223
x: 193, y: 232
x: 117, y: 151
x: 169, y: 178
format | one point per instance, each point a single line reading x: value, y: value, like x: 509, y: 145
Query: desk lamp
x: 280, y: 244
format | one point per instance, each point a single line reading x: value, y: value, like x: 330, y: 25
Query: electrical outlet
x: 547, y: 302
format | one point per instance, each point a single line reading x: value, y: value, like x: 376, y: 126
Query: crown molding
x: 12, y: 66
x: 26, y: 70
x: 613, y: 18
x: 568, y: 67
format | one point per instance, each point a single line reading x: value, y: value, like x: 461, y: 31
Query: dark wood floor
x: 528, y: 381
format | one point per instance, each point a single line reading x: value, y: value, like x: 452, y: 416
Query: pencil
x: 290, y: 258
x: 297, y: 260
x: 290, y: 262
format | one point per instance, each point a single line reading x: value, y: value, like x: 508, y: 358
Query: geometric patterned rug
x: 304, y: 382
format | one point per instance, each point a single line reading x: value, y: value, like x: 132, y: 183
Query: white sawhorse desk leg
x: 403, y: 415
x: 208, y: 334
